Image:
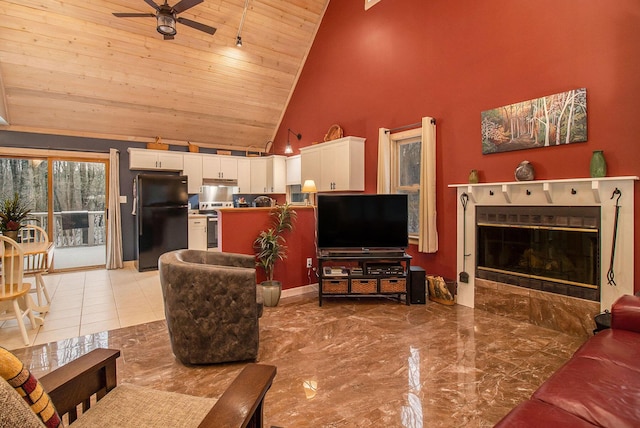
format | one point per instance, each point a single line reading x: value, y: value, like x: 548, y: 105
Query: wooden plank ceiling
x: 70, y: 67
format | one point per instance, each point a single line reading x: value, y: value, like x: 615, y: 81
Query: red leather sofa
x: 599, y: 385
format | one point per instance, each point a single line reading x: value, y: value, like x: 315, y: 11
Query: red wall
x: 404, y: 59
x: 240, y: 227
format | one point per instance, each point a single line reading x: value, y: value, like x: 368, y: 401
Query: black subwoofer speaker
x: 417, y: 288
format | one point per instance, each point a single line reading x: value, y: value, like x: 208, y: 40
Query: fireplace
x: 546, y: 250
x: 553, y: 249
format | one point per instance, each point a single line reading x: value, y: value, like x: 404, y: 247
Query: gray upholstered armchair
x: 211, y: 304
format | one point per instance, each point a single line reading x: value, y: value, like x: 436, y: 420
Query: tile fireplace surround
x: 563, y: 313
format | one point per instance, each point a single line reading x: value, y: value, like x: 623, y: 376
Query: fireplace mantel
x: 567, y: 192
x: 551, y: 189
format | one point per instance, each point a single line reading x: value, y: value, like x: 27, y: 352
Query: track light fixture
x: 288, y: 150
x: 244, y: 13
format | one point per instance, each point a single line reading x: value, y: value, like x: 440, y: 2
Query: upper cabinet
x: 336, y: 165
x: 293, y: 170
x: 244, y: 175
x: 219, y: 167
x: 268, y: 174
x: 158, y: 160
x: 192, y: 168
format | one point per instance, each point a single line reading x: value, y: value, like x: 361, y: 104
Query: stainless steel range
x: 210, y: 210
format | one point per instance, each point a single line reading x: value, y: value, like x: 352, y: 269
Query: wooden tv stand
x: 359, y: 275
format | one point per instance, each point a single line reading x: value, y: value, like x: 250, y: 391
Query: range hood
x: 229, y: 182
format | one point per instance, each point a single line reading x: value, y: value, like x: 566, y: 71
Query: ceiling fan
x: 166, y: 17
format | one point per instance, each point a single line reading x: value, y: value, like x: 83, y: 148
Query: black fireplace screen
x: 555, y: 248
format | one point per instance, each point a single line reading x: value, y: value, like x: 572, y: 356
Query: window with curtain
x: 406, y: 149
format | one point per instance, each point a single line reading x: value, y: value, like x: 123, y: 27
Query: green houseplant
x: 13, y: 211
x: 270, y: 247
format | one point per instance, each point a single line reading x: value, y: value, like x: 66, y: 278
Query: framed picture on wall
x: 542, y: 122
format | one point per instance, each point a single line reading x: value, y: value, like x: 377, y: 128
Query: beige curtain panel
x: 428, y: 234
x: 114, y: 226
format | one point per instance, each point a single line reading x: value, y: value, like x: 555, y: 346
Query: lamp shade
x: 309, y: 186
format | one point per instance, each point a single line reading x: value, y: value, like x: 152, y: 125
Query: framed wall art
x: 542, y: 122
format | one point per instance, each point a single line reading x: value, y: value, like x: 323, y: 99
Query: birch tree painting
x: 548, y: 121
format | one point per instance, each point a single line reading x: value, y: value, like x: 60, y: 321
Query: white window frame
x: 397, y: 139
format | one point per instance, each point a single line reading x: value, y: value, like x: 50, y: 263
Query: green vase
x: 598, y: 165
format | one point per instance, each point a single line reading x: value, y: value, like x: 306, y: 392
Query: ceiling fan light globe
x: 166, y: 24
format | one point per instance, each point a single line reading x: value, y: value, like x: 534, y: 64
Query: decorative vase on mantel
x: 598, y: 165
x: 473, y: 176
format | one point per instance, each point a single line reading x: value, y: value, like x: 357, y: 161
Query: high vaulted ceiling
x: 70, y: 67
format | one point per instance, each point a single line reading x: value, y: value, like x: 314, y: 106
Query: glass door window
x: 28, y: 178
x: 79, y: 205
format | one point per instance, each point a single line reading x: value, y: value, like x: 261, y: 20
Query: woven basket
x: 335, y: 286
x: 364, y: 286
x: 157, y: 146
x: 393, y: 285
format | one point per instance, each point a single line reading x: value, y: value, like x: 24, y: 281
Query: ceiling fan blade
x: 183, y: 5
x: 197, y: 25
x: 132, y: 15
x: 152, y: 4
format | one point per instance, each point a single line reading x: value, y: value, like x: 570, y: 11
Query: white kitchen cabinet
x: 157, y: 160
x: 192, y: 168
x: 268, y: 174
x: 277, y: 174
x: 336, y: 165
x: 310, y: 168
x: 198, y: 233
x: 219, y: 167
x: 293, y: 170
x: 258, y: 175
x: 244, y: 175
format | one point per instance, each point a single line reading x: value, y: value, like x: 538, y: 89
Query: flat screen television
x: 362, y: 223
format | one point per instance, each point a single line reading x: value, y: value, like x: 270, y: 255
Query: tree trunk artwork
x: 542, y: 122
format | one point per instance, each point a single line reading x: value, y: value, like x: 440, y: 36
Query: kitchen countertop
x: 295, y: 207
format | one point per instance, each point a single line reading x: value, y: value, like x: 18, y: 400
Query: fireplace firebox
x: 549, y: 248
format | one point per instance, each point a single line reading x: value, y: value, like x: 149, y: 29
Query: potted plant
x: 13, y: 212
x: 270, y: 247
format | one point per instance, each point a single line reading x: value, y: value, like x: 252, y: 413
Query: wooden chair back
x: 34, y: 263
x: 33, y: 233
x: 11, y: 269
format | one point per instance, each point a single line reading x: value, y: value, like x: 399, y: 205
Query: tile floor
x: 87, y: 302
x: 374, y: 362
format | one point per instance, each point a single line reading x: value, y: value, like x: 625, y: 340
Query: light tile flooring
x: 92, y: 301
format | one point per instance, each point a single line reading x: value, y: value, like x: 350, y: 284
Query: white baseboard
x: 297, y: 291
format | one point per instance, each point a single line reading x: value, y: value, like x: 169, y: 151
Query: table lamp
x: 309, y: 186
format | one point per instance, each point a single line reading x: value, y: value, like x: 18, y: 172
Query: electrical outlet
x: 309, y: 262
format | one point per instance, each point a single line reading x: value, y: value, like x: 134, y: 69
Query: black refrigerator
x: 161, y: 217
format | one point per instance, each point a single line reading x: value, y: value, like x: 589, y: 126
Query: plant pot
x: 271, y: 292
x: 13, y: 234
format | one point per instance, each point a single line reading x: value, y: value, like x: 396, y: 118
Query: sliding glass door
x: 68, y: 198
x: 79, y: 205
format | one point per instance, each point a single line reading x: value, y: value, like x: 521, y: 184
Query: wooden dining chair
x: 15, y: 302
x: 37, y: 264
